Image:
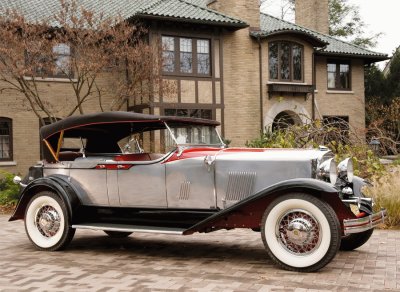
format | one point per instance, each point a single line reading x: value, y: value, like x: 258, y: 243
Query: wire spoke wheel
x: 47, y: 222
x: 300, y: 232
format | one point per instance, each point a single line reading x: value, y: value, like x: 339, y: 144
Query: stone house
x: 229, y: 62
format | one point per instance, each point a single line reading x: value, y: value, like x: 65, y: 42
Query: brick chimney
x: 246, y: 10
x: 313, y: 14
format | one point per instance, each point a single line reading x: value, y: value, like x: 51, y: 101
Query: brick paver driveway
x: 219, y: 261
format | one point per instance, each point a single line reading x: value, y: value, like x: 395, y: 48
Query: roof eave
x: 316, y: 42
x: 235, y: 26
x: 367, y: 58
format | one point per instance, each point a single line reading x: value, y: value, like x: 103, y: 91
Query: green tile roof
x: 181, y: 10
x: 271, y: 25
x: 37, y: 10
x: 192, y: 11
x: 186, y: 10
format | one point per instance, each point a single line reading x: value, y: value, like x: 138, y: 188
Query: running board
x: 129, y: 228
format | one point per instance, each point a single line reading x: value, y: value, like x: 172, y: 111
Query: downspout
x: 314, y: 85
x: 261, y: 84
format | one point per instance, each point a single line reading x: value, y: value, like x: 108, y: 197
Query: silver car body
x: 296, y: 198
x: 214, y: 179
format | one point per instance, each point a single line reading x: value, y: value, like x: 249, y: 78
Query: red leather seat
x: 133, y: 157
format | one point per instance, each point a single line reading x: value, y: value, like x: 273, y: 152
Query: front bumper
x: 365, y: 223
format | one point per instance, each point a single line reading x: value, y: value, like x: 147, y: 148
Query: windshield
x: 194, y: 135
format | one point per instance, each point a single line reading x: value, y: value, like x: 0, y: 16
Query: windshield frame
x: 221, y: 144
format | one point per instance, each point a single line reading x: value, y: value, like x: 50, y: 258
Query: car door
x: 142, y: 184
x: 190, y: 183
x: 91, y: 180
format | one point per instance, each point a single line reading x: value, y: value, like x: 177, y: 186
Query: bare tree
x: 284, y: 9
x: 80, y: 46
x: 344, y: 19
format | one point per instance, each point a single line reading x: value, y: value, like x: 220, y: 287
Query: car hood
x: 255, y: 154
x: 273, y: 154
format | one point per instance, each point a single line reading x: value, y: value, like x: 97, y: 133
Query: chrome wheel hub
x: 47, y: 221
x: 298, y: 232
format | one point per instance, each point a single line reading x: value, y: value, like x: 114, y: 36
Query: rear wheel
x: 47, y: 222
x: 117, y: 234
x: 300, y: 232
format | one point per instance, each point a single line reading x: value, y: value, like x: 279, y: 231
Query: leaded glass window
x: 285, y: 60
x: 168, y: 55
x: 203, y: 57
x: 297, y: 53
x: 273, y: 61
x: 186, y: 55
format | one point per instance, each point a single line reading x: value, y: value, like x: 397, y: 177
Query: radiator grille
x: 240, y: 185
x: 185, y: 191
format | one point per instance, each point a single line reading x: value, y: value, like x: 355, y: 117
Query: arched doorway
x: 290, y: 108
x: 285, y: 119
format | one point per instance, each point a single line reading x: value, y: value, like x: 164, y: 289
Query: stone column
x: 241, y: 74
x: 313, y: 14
x: 246, y: 10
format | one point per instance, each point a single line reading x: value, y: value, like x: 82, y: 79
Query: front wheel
x: 47, y: 222
x: 300, y: 232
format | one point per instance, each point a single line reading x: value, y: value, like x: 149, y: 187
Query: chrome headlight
x: 327, y: 169
x: 345, y: 168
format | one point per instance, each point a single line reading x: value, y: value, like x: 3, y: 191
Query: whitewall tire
x: 300, y: 232
x: 47, y: 222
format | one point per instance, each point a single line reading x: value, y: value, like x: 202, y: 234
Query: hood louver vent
x: 240, y: 185
x: 185, y: 191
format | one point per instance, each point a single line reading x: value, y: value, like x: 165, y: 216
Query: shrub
x: 8, y: 190
x: 335, y: 135
x: 384, y: 124
x: 386, y: 193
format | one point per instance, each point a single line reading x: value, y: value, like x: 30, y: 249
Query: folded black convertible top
x: 140, y: 122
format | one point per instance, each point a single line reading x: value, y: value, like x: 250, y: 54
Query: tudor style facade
x: 228, y: 62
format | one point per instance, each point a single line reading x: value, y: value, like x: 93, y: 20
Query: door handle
x: 209, y: 161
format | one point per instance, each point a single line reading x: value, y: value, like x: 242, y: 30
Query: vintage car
x: 123, y: 172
